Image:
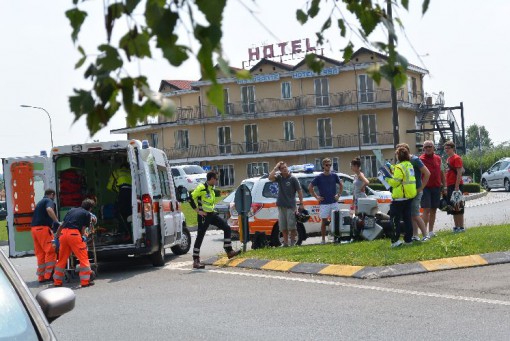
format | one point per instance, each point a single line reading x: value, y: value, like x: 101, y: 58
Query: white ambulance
x: 83, y: 171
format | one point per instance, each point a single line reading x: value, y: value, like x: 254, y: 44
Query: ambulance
x: 263, y: 216
x: 82, y: 171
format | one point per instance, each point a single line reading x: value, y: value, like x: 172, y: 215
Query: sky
x: 461, y: 42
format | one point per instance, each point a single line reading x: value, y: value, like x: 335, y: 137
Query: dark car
x: 23, y: 317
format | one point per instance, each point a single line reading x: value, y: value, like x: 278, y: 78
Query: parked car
x: 223, y: 207
x: 188, y: 176
x: 498, y: 175
x: 263, y: 216
x: 24, y: 317
x: 3, y: 210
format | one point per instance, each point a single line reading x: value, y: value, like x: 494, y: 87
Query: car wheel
x: 507, y: 185
x: 301, y: 232
x: 485, y: 185
x: 185, y: 243
x: 275, y: 236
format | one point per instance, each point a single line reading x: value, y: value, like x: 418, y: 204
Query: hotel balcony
x: 308, y: 145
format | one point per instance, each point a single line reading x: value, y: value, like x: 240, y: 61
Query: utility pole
x: 391, y: 43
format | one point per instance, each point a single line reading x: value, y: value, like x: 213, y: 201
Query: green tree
x: 156, y: 29
x: 477, y: 137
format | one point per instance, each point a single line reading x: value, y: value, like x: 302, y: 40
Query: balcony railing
x: 275, y: 146
x: 347, y: 100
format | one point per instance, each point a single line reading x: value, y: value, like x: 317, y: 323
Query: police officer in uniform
x: 120, y: 182
x: 42, y: 221
x: 202, y: 200
x: 70, y: 235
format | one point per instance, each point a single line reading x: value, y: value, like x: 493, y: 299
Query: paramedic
x: 120, y: 182
x: 202, y: 200
x: 70, y: 235
x: 42, y: 221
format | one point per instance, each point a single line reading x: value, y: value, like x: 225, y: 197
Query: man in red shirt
x: 432, y: 191
x: 454, y: 183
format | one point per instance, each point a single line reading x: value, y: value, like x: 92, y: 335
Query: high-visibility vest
x: 205, y: 197
x: 403, y: 182
x: 119, y: 177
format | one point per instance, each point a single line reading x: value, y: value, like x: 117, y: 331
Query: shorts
x: 431, y: 197
x: 286, y: 218
x: 416, y: 204
x: 326, y: 209
x: 451, y: 188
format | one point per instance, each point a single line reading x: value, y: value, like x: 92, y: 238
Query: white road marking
x: 186, y: 266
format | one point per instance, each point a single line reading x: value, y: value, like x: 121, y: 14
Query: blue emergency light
x: 145, y: 144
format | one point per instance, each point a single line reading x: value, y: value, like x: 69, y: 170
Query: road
x: 133, y: 300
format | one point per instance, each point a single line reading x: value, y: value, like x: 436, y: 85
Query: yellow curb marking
x: 279, y: 265
x: 340, y: 270
x: 221, y: 262
x: 236, y: 262
x: 452, y: 263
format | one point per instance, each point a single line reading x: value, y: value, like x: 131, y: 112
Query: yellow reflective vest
x: 205, y: 197
x: 119, y: 177
x: 403, y: 182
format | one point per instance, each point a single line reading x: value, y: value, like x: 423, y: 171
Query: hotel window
x: 286, y: 90
x: 153, y: 138
x: 226, y: 104
x: 336, y: 164
x: 322, y: 92
x: 181, y: 139
x: 248, y: 98
x: 368, y: 129
x: 365, y: 89
x: 324, y: 132
x: 257, y: 169
x: 288, y: 131
x: 224, y: 140
x: 369, y: 166
x: 225, y: 175
x: 251, y: 138
x: 411, y: 89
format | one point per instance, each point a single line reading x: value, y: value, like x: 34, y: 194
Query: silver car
x: 498, y: 176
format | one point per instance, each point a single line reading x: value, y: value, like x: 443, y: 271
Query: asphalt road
x: 132, y: 300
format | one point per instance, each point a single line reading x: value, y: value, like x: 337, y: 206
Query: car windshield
x: 16, y: 324
x: 193, y: 170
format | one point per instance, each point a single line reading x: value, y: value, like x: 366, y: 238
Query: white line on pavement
x: 187, y: 265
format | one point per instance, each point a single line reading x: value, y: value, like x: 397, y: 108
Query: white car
x: 263, y: 216
x: 188, y: 176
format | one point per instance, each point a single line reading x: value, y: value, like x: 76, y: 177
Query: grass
x: 476, y: 240
x: 3, y: 230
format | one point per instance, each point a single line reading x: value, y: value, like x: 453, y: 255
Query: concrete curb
x: 475, y: 196
x: 363, y: 272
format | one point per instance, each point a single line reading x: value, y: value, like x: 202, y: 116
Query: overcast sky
x: 462, y: 43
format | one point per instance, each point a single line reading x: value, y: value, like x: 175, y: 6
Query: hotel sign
x: 308, y: 73
x: 281, y: 49
x: 260, y: 78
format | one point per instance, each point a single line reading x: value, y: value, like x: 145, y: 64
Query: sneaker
x: 197, y: 264
x: 397, y: 243
x: 455, y: 229
x: 426, y: 238
x: 284, y: 245
x: 461, y: 229
x: 231, y: 254
x: 431, y: 234
x: 416, y: 239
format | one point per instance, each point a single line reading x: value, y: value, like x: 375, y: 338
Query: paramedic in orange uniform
x: 43, y: 219
x: 70, y: 236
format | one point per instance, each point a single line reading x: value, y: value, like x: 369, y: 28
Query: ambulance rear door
x: 26, y: 179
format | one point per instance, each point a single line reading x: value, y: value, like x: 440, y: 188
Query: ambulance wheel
x: 158, y: 257
x: 276, y: 236
x: 301, y: 232
x: 183, y: 247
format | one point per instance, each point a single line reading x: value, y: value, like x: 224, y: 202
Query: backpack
x: 259, y: 241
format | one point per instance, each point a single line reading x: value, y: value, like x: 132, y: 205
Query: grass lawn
x: 3, y: 230
x: 475, y: 240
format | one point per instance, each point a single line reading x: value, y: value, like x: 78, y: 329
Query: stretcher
x: 71, y: 271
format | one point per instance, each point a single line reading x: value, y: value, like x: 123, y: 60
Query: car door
x: 501, y: 173
x: 26, y: 179
x: 492, y: 176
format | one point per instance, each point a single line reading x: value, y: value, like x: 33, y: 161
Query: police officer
x: 120, y: 182
x: 70, y: 235
x: 42, y: 221
x: 403, y: 190
x: 202, y: 200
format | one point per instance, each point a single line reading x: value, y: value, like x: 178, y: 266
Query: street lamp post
x: 47, y: 113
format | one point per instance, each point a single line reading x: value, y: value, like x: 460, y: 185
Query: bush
x: 472, y: 188
x: 373, y: 181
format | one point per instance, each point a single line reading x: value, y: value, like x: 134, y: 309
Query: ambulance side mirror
x: 182, y: 194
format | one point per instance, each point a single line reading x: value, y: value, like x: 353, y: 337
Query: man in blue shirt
x: 328, y: 196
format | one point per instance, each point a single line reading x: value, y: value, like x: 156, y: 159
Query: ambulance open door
x: 25, y: 182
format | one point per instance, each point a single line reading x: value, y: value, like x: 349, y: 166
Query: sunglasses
x: 428, y: 146
x: 327, y: 165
